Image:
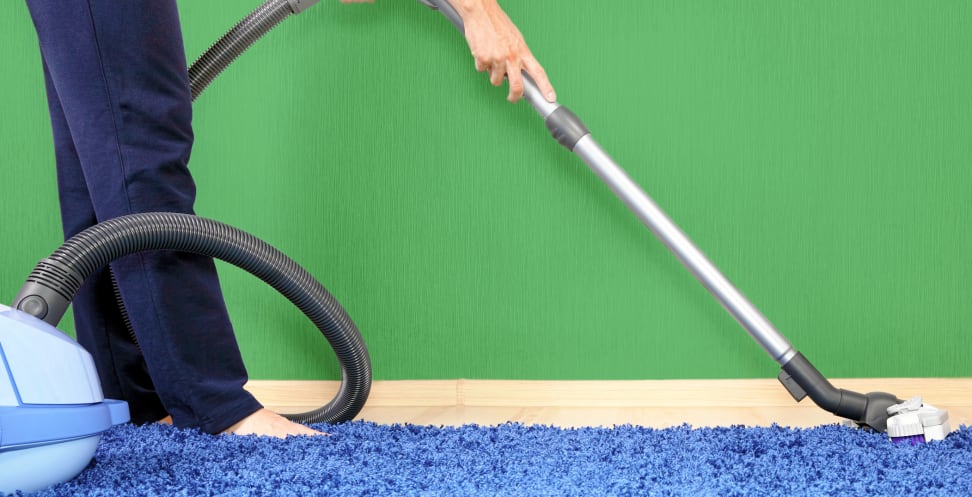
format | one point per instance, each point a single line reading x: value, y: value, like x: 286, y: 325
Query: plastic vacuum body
x: 52, y: 411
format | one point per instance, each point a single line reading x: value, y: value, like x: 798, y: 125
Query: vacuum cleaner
x: 52, y: 417
x: 904, y: 421
x: 52, y: 409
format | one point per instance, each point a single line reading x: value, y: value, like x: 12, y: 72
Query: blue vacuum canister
x: 52, y: 410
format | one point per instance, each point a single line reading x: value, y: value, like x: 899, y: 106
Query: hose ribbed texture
x: 237, y: 40
x: 98, y: 245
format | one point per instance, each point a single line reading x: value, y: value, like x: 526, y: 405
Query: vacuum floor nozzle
x: 912, y: 422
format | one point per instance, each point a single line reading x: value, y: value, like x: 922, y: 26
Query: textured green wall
x: 819, y: 152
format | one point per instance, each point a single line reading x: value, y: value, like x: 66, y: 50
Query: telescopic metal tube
x: 775, y: 344
x: 573, y: 134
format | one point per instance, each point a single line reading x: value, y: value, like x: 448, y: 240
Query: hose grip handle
x: 447, y: 10
x: 563, y: 124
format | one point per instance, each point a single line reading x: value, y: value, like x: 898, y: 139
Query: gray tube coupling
x: 566, y: 127
x: 299, y: 6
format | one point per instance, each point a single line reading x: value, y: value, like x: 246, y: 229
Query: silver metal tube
x: 775, y: 344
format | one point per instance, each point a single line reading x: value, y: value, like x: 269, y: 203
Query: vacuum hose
x: 231, y: 45
x: 54, y: 282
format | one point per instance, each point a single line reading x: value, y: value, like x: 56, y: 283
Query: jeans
x: 121, y: 115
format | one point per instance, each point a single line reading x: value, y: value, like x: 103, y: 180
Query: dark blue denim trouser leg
x: 121, y: 113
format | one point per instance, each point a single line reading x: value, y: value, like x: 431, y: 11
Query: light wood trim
x: 941, y: 392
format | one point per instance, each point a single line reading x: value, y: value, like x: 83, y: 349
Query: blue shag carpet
x: 361, y: 458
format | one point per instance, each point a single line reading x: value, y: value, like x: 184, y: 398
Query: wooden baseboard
x: 287, y: 395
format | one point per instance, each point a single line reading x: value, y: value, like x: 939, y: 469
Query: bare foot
x: 268, y: 423
x: 165, y: 421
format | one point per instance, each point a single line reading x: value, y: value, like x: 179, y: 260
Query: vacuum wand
x: 798, y: 375
x: 571, y: 132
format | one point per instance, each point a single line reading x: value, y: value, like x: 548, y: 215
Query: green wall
x: 819, y: 152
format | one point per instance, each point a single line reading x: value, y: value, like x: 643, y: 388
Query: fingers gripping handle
x: 563, y: 124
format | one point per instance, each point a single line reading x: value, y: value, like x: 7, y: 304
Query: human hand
x: 498, y: 47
